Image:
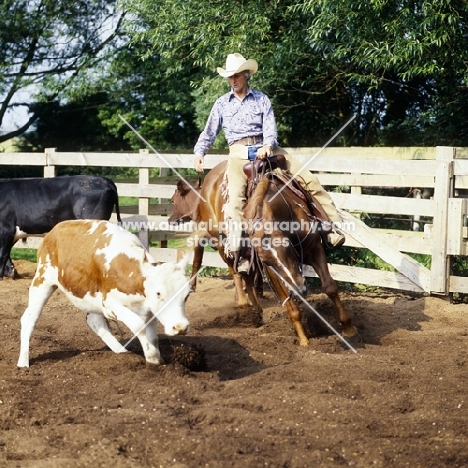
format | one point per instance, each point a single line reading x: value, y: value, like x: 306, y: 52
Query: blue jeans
x: 253, y: 151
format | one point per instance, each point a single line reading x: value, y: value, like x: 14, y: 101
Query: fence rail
x: 440, y: 170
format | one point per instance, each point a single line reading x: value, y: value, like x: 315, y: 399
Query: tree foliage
x: 411, y: 38
x: 197, y: 36
x: 57, y: 127
x: 45, y: 46
x: 399, y: 66
x: 160, y: 105
x: 410, y: 55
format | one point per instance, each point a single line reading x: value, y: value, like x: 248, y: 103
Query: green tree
x: 73, y: 126
x: 45, y: 47
x: 158, y: 104
x: 399, y: 66
x: 408, y: 55
x: 193, y: 38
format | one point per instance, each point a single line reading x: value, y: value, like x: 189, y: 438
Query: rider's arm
x: 270, y: 133
x: 207, y: 137
x: 212, y: 128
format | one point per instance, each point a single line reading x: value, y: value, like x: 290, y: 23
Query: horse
x: 274, y: 205
x: 204, y: 205
x: 185, y: 201
x: 285, y: 233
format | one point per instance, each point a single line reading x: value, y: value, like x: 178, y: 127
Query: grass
x: 24, y: 254
x: 132, y: 201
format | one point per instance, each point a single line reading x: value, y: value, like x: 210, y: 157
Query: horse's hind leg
x: 318, y: 261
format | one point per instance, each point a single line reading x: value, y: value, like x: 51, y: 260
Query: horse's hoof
x: 350, y: 331
x: 259, y: 322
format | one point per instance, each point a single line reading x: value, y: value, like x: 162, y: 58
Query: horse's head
x: 268, y: 216
x: 276, y: 251
x: 185, y: 200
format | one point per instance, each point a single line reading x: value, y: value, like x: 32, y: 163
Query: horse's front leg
x: 198, y: 252
x: 294, y: 312
x: 197, y: 242
x: 240, y: 295
x: 318, y: 261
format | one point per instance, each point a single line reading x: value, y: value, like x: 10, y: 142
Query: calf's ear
x: 149, y: 258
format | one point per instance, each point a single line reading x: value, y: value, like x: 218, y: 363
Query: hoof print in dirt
x: 245, y: 318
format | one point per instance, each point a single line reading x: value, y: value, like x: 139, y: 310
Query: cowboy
x: 249, y: 125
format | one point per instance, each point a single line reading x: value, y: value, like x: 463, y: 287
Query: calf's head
x: 167, y: 288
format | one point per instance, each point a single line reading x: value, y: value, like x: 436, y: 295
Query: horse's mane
x: 254, y: 207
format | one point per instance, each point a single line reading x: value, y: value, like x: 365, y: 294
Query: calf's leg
x: 138, y: 327
x: 151, y: 330
x: 38, y: 296
x: 9, y: 270
x: 98, y: 323
x: 6, y: 266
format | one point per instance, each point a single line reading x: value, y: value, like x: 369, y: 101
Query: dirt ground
x: 233, y: 395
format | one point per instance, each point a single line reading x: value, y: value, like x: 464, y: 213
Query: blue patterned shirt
x: 239, y: 119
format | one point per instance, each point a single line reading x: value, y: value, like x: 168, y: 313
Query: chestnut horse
x: 285, y: 234
x: 185, y: 203
x: 204, y: 205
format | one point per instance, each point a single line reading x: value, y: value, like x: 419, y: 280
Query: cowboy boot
x: 332, y: 236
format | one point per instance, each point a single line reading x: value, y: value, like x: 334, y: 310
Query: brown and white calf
x: 105, y: 271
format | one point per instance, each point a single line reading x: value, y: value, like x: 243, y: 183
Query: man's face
x: 238, y: 82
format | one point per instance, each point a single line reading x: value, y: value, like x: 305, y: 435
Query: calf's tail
x: 117, y: 209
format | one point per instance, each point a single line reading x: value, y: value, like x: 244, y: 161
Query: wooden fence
x: 442, y: 170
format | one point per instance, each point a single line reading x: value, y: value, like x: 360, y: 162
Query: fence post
x: 49, y: 171
x: 162, y: 173
x: 356, y: 190
x: 443, y: 190
x: 417, y: 193
x: 143, y: 203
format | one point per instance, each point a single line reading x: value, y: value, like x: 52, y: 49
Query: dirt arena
x: 232, y: 395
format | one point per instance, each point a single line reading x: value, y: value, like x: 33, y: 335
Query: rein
x: 281, y: 178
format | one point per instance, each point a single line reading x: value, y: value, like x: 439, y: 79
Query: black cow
x: 34, y: 206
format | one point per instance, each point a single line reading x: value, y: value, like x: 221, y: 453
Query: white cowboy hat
x: 235, y: 63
